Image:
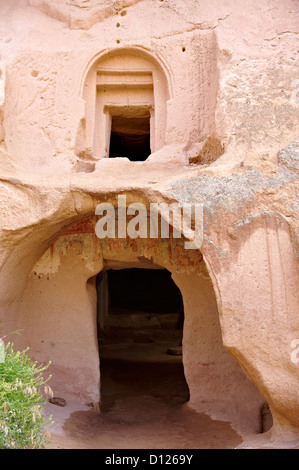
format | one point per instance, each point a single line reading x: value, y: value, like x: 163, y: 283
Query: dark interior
x: 130, y: 138
x: 146, y: 290
x: 140, y: 346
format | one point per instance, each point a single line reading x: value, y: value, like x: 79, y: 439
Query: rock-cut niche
x: 125, y: 115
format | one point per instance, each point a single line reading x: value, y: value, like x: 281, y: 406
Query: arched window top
x: 128, y: 58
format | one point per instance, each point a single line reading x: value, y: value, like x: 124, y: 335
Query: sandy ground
x: 143, y: 406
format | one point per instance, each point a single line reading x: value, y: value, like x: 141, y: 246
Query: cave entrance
x: 140, y: 326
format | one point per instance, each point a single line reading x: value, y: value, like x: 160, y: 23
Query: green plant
x: 22, y: 422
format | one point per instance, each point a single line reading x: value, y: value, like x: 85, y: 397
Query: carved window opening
x: 130, y: 135
x: 126, y: 95
x: 124, y: 113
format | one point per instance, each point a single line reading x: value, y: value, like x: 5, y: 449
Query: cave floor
x: 144, y: 405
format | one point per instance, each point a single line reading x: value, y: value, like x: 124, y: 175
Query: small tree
x: 22, y: 422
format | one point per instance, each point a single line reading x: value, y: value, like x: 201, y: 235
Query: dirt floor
x: 143, y: 406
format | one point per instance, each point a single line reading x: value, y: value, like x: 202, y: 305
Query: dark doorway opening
x: 144, y: 290
x: 130, y: 138
x: 140, y: 336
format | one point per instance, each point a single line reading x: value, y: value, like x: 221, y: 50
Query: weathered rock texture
x: 224, y: 129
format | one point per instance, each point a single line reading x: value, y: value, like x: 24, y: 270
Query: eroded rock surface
x: 215, y: 86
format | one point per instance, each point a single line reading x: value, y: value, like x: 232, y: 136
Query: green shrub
x: 22, y: 422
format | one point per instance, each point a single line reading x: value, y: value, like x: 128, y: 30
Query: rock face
x: 211, y: 87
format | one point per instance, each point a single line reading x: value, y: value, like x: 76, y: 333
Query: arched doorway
x: 58, y: 312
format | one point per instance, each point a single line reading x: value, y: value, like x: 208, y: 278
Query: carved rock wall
x: 231, y: 139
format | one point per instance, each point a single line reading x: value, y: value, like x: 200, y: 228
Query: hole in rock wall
x: 130, y: 138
